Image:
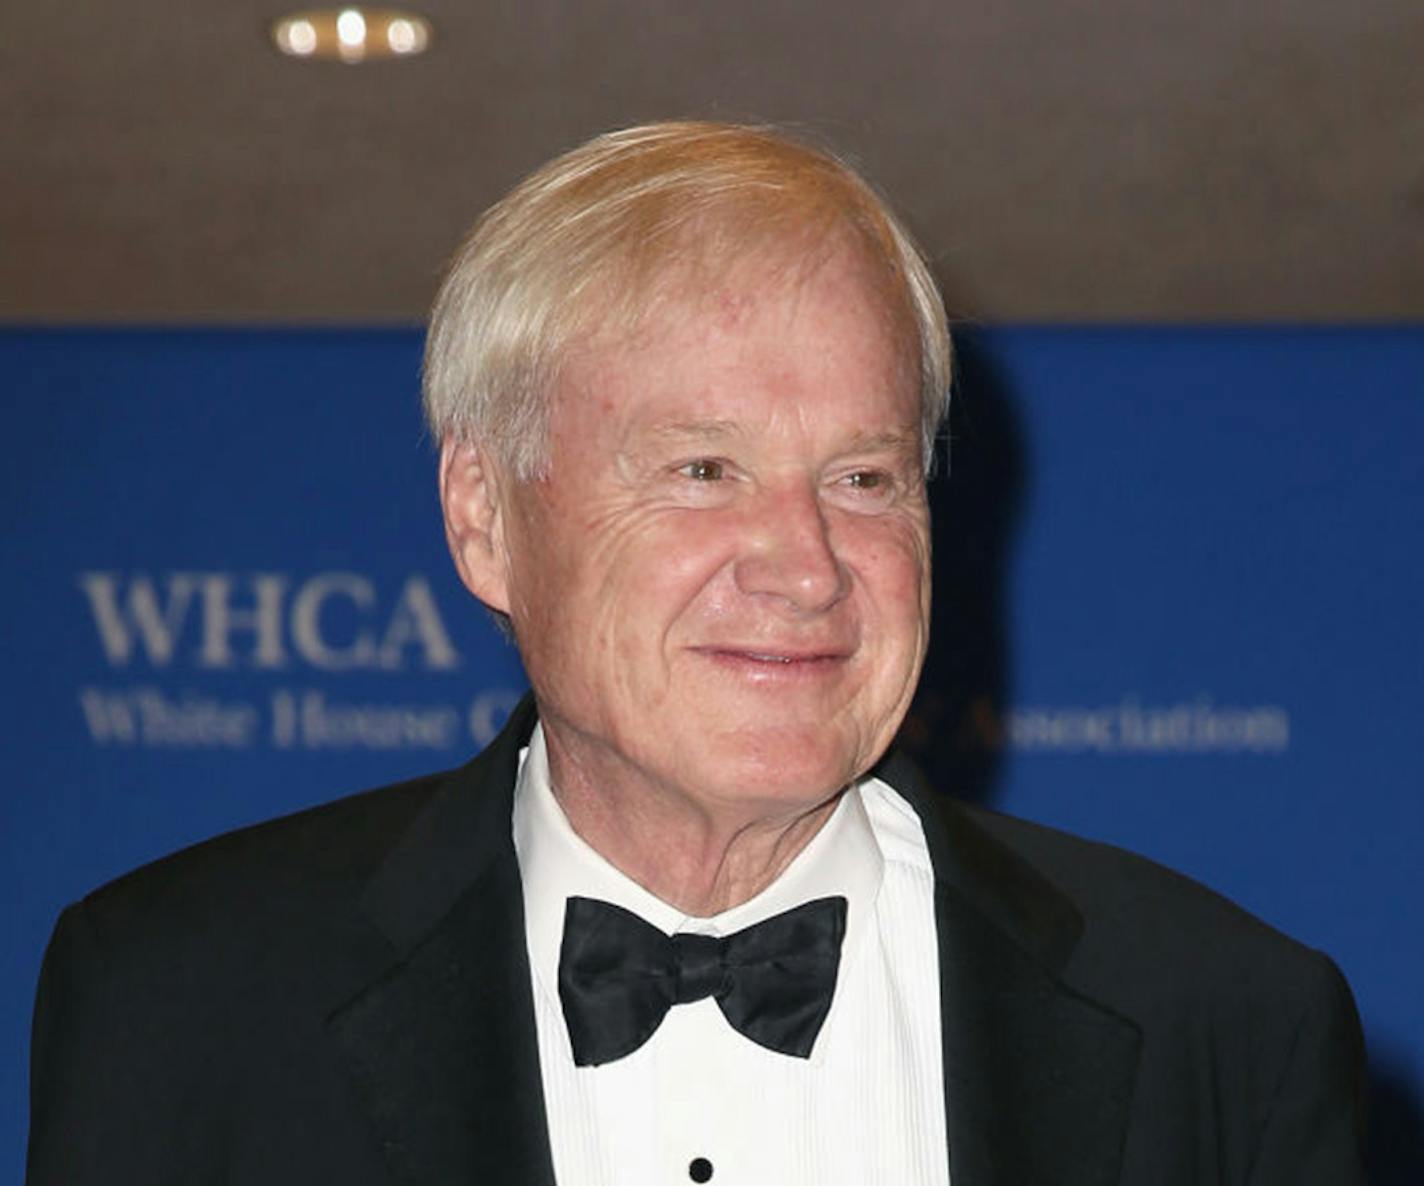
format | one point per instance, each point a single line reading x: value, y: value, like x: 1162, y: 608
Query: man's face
x: 720, y: 590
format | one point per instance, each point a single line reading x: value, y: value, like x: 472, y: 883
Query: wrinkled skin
x: 721, y: 586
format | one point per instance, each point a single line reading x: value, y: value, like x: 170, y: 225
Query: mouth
x: 772, y: 663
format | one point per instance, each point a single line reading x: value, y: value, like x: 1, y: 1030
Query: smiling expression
x: 720, y: 587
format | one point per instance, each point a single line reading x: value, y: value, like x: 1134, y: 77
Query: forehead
x: 751, y: 337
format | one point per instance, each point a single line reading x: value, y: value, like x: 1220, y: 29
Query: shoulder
x: 1153, y: 938
x: 300, y: 875
x: 1239, y: 1023
x: 1113, y: 885
x: 298, y: 890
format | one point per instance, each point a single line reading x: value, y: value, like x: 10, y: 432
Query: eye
x: 704, y: 469
x: 872, y: 489
x: 869, y: 483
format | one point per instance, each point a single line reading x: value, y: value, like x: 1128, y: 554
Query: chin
x: 787, y: 766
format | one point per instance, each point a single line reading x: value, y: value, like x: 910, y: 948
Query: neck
x: 702, y: 860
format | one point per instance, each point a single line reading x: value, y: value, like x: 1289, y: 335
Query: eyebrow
x: 719, y: 430
x: 697, y: 430
x: 891, y: 439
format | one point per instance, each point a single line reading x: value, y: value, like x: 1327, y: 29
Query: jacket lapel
x: 440, y: 1040
x: 1038, y: 1078
x: 441, y: 1044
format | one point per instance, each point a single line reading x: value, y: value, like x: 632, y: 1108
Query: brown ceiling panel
x: 1061, y: 161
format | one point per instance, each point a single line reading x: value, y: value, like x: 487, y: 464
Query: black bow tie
x: 618, y: 977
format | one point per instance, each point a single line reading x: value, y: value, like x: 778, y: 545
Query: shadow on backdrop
x: 1396, y: 1126
x: 954, y: 731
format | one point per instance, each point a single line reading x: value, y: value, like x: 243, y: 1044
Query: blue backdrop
x: 1178, y: 608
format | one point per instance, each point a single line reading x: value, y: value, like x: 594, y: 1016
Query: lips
x: 775, y: 658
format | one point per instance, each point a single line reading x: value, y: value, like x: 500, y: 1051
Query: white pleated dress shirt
x: 866, y: 1109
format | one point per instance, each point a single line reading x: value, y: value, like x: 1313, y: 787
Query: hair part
x: 587, y: 243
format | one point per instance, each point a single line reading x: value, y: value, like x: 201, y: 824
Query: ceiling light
x: 351, y: 34
x: 351, y: 29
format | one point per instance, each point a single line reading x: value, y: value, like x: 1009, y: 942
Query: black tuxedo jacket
x: 344, y: 996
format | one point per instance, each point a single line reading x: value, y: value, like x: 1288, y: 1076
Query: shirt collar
x: 555, y: 863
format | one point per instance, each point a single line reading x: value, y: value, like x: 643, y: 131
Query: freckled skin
x: 721, y: 587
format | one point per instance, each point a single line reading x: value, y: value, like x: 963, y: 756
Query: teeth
x: 771, y: 658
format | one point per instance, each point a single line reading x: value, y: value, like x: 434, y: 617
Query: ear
x: 470, y: 492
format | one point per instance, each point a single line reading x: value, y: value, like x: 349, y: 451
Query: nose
x: 789, y: 554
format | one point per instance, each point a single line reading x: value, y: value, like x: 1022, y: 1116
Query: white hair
x: 586, y: 241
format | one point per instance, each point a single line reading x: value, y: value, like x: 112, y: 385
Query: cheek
x: 893, y: 560
x: 673, y: 576
x: 619, y: 585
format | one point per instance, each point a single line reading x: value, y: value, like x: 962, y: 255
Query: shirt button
x: 699, y: 1169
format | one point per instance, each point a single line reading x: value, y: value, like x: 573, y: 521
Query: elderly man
x: 680, y: 921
